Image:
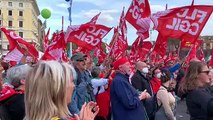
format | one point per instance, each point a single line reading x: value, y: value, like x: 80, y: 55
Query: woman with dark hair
x: 165, y: 99
x: 199, y: 93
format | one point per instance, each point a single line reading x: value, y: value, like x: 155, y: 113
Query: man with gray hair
x: 12, y: 99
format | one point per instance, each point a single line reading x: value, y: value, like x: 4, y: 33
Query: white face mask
x: 145, y: 70
x: 158, y: 75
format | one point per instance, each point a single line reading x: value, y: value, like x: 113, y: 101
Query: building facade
x: 20, y: 16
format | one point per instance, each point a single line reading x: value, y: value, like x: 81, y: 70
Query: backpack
x: 151, y: 106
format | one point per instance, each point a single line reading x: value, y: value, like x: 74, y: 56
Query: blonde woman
x: 48, y: 91
x: 199, y: 93
x: 165, y: 99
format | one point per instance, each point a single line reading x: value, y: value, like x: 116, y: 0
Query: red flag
x: 211, y: 60
x: 87, y: 35
x: 80, y: 49
x: 119, y: 47
x: 188, y: 44
x: 122, y: 26
x: 183, y: 22
x: 145, y: 48
x: 192, y: 54
x: 201, y: 56
x: 16, y: 42
x: 14, y: 55
x: 160, y: 45
x: 46, y: 40
x: 137, y: 44
x: 153, y: 57
x: 94, y: 19
x: 138, y: 15
x: 114, y: 37
x: 56, y: 50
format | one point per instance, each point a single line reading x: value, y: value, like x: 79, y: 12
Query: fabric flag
x: 17, y: 42
x: 153, y: 57
x: 118, y: 45
x: 188, y: 44
x: 192, y: 54
x: 87, y: 35
x: 56, y: 50
x: 201, y: 56
x: 46, y: 40
x: 140, y: 48
x: 122, y: 28
x: 138, y: 15
x: 183, y: 23
x: 145, y: 48
x: 160, y: 45
x: 100, y: 54
x: 114, y: 37
x: 94, y: 19
x: 80, y: 49
x: 211, y: 60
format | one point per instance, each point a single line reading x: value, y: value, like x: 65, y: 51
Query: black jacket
x: 13, y: 108
x: 200, y: 104
x: 140, y: 82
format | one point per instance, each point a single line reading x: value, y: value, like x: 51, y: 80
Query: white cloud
x: 95, y: 2
x: 106, y: 17
x: 62, y: 5
x: 156, y: 8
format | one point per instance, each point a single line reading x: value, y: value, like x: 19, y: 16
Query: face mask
x: 158, y: 75
x: 145, y: 70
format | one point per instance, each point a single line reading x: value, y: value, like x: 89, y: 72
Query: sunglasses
x: 207, y: 72
x: 81, y: 60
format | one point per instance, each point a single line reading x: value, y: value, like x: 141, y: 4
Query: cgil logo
x: 182, y: 22
x: 92, y: 35
x: 136, y: 11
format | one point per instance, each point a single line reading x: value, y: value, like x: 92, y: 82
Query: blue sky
x: 84, y: 10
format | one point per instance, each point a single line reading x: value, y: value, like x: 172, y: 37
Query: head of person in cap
x: 79, y: 60
x: 122, y: 65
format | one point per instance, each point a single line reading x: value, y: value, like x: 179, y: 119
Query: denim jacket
x: 83, y: 92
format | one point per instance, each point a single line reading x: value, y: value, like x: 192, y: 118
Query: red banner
x: 56, y: 50
x: 138, y: 15
x: 122, y: 26
x: 94, y: 19
x: 182, y: 23
x: 46, y: 41
x: 160, y: 45
x: 119, y: 46
x: 17, y: 42
x: 87, y: 35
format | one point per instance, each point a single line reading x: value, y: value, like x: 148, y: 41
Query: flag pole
x: 2, y: 36
x: 70, y: 19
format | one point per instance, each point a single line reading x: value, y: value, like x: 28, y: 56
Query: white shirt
x: 98, y: 82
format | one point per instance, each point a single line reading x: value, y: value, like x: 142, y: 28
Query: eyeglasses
x: 81, y: 60
x: 207, y: 72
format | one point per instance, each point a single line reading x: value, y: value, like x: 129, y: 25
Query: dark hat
x: 78, y: 56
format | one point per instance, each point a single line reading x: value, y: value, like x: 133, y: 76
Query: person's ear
x: 22, y: 82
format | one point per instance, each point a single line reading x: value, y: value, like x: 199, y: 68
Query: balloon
x: 45, y: 13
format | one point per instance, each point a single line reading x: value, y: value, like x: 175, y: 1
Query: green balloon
x: 45, y: 13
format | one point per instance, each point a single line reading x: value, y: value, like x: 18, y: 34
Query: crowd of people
x: 111, y: 90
